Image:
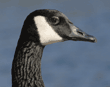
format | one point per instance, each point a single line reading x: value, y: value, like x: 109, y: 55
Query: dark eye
x: 55, y: 20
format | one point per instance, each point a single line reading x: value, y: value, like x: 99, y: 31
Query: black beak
x: 78, y: 35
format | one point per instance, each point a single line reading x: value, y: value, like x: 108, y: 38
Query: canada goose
x: 41, y: 27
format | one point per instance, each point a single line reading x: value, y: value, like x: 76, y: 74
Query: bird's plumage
x: 41, y: 27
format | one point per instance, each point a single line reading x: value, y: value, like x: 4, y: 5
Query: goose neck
x: 26, y: 67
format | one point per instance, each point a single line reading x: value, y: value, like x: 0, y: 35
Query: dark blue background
x: 67, y: 64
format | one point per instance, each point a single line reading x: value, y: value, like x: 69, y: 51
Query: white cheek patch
x: 46, y: 33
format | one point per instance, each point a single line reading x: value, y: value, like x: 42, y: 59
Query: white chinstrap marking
x: 46, y: 33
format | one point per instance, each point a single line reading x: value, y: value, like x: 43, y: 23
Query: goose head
x: 50, y: 26
x: 41, y: 27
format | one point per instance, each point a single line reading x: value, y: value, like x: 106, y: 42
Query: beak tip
x: 94, y: 40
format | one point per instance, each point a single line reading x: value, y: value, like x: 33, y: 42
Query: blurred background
x: 67, y: 64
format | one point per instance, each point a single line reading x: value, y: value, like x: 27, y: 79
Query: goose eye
x: 55, y: 20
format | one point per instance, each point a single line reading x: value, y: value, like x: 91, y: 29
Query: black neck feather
x: 26, y: 67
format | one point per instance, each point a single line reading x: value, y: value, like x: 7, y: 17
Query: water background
x: 67, y: 64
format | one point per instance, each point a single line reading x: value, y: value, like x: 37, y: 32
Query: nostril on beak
x: 80, y: 32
